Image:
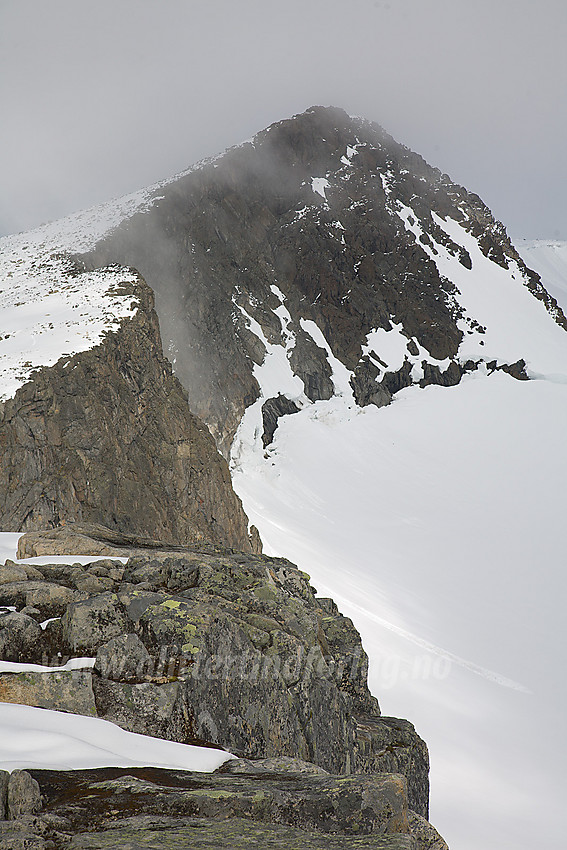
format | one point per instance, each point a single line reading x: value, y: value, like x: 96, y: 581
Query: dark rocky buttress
x: 106, y: 436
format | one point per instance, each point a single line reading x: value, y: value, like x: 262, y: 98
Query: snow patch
x: 275, y: 377
x: 340, y: 375
x: 43, y: 739
x: 72, y: 664
x: 391, y: 347
x: 516, y: 324
x: 49, y: 312
x: 319, y: 185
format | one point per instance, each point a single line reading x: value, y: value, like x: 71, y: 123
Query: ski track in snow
x: 490, y: 675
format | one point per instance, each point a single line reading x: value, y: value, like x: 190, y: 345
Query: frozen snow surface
x: 38, y: 738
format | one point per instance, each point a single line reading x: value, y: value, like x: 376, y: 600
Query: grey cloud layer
x: 99, y: 98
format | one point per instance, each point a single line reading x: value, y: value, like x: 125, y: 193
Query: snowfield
x: 437, y: 525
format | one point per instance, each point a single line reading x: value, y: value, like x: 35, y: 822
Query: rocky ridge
x: 207, y: 645
x: 277, y: 803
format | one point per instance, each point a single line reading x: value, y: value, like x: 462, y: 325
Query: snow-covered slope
x: 51, y: 307
x: 549, y: 259
x: 437, y: 524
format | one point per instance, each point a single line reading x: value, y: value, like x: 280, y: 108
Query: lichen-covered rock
x: 49, y: 597
x: 4, y: 778
x: 24, y: 796
x: 319, y: 806
x: 144, y: 708
x: 21, y: 638
x: 204, y: 644
x: 88, y: 625
x: 238, y: 834
x: 279, y: 764
x: 51, y: 600
x: 63, y: 691
x: 123, y: 659
x: 15, y: 835
x: 12, y: 572
x: 425, y: 835
x: 391, y: 744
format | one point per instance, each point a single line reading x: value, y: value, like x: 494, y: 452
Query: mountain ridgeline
x: 320, y: 261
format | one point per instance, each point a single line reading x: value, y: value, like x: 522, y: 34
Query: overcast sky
x: 101, y: 97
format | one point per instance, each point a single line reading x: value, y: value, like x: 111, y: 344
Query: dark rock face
x: 87, y: 625
x: 272, y: 409
x: 252, y: 227
x: 107, y: 437
x: 122, y: 659
x: 425, y: 835
x: 4, y: 779
x: 70, y: 692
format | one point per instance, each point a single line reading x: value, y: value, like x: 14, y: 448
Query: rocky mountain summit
x: 320, y: 240
x: 321, y: 259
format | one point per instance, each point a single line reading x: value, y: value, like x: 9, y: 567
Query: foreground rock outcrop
x: 206, y: 644
x: 106, y: 436
x: 277, y: 803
